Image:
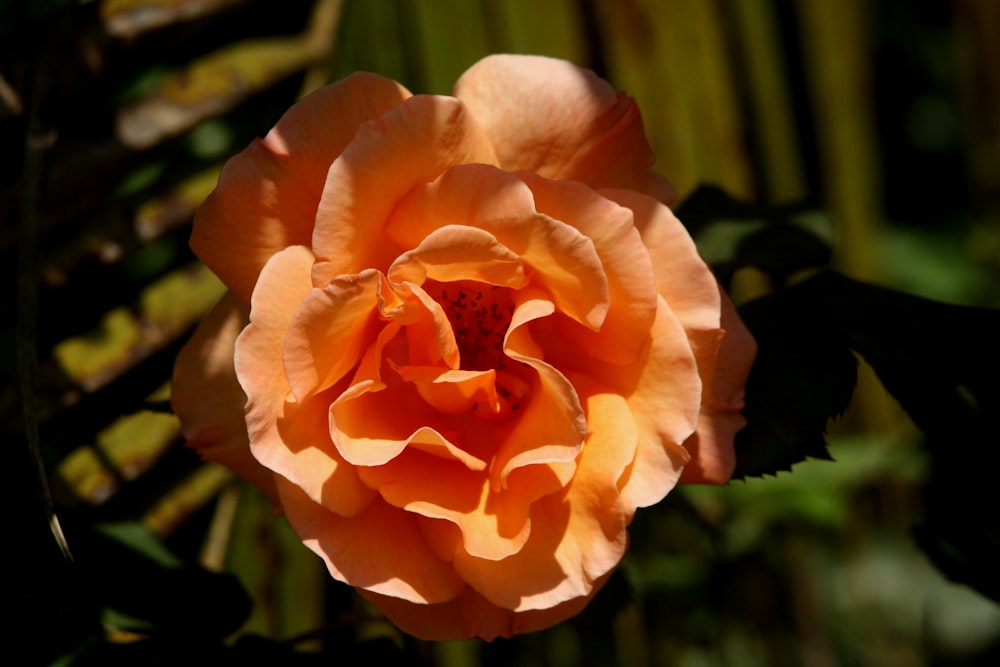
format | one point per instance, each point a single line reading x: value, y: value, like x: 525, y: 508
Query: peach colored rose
x: 464, y: 340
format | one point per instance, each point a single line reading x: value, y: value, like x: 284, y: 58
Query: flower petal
x: 375, y: 425
x: 682, y: 277
x: 472, y: 615
x: 267, y: 195
x: 289, y: 437
x: 577, y: 536
x: 551, y: 425
x: 663, y: 389
x: 625, y: 261
x: 457, y: 252
x: 722, y: 345
x: 562, y: 259
x: 326, y: 335
x: 665, y: 402
x: 363, y: 550
x: 207, y: 397
x: 406, y: 147
x: 712, y: 455
x: 413, y: 481
x: 561, y: 121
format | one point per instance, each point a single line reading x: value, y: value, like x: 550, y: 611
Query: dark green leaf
x: 942, y: 363
x: 134, y: 575
x: 803, y: 376
x: 779, y: 240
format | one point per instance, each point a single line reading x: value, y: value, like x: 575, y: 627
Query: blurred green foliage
x: 882, y: 115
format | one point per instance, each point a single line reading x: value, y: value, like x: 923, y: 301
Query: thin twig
x: 39, y: 140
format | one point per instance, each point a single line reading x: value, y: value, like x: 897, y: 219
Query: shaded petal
x: 663, y: 389
x: 389, y: 156
x: 472, y: 615
x: 440, y: 489
x: 562, y: 259
x: 453, y: 391
x: 665, y: 401
x: 327, y: 334
x: 380, y: 550
x: 721, y: 343
x: 682, y: 277
x: 561, y: 121
x: 289, y: 437
x: 712, y: 454
x: 625, y: 260
x: 577, y: 536
x: 208, y: 399
x: 267, y: 195
x: 375, y: 424
x: 551, y: 425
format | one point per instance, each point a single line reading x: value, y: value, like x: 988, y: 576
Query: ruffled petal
x: 207, y: 397
x: 561, y: 121
x: 363, y: 550
x: 663, y: 389
x: 666, y: 403
x: 561, y: 259
x: 721, y: 343
x: 267, y: 195
x: 712, y: 454
x: 578, y: 535
x: 389, y: 156
x: 328, y: 332
x: 458, y: 252
x: 625, y: 261
x: 291, y: 438
x: 413, y: 481
x: 375, y: 423
x: 551, y: 424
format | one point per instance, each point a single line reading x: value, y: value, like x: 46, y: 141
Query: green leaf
x: 803, y: 376
x: 134, y: 575
x: 779, y: 240
x: 942, y: 363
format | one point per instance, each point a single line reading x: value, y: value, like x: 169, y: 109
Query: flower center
x: 479, y: 315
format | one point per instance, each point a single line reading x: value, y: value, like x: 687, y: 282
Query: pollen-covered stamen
x: 479, y: 315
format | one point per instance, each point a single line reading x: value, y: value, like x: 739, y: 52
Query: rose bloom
x: 464, y: 339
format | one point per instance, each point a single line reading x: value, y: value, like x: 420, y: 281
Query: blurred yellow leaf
x: 210, y: 86
x: 95, y: 358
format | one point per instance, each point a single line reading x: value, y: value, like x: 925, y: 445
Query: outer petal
x: 472, y: 615
x: 561, y: 121
x: 208, y: 399
x: 380, y: 550
x: 267, y: 195
x: 682, y: 277
x: 389, y: 156
x: 711, y: 446
x: 721, y: 343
